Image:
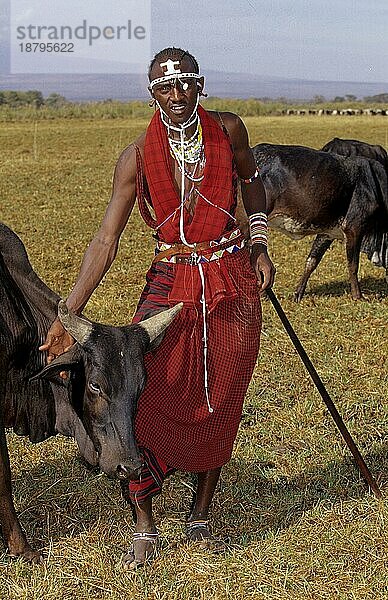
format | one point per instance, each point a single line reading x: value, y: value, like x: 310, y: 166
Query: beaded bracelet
x: 258, y: 227
x: 251, y: 179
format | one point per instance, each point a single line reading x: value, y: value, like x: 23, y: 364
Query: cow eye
x: 94, y: 387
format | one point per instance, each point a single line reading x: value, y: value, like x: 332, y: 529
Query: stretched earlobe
x: 200, y: 88
x: 151, y: 102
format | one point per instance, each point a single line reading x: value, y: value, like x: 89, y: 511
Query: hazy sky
x: 312, y: 39
x: 344, y: 40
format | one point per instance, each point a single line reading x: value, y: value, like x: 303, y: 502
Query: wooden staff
x: 325, y: 396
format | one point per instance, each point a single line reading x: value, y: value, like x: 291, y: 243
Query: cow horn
x: 78, y: 327
x: 155, y: 325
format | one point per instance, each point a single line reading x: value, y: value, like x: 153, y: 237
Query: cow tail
x: 381, y: 186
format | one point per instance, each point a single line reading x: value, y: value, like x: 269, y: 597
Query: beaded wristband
x: 258, y: 227
x: 251, y: 179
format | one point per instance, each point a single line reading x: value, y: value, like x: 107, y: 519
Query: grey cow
x: 96, y: 405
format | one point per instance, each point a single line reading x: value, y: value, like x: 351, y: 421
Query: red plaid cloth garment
x: 173, y: 422
x: 172, y: 419
x: 208, y: 222
x: 151, y: 480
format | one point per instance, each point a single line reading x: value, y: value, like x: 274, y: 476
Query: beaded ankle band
x: 258, y: 227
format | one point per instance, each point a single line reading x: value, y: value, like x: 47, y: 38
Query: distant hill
x: 225, y: 85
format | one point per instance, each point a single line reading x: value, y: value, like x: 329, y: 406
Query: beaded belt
x: 202, y: 252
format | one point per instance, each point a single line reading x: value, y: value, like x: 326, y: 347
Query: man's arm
x: 253, y: 194
x: 102, y: 250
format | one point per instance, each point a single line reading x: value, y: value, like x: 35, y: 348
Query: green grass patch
x: 301, y: 522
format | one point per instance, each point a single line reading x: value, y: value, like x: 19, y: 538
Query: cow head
x: 108, y: 376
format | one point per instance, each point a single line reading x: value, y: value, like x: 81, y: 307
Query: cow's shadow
x: 68, y: 498
x: 64, y: 497
x: 370, y: 287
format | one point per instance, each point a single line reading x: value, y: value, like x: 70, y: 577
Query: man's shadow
x: 260, y: 502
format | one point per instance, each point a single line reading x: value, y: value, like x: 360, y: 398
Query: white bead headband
x: 173, y: 77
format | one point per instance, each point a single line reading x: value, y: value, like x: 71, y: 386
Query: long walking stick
x: 325, y: 396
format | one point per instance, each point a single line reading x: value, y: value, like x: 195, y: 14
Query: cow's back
x: 350, y: 147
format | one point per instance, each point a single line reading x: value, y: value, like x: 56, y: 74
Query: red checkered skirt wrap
x: 173, y: 421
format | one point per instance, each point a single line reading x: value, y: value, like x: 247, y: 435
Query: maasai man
x: 184, y: 171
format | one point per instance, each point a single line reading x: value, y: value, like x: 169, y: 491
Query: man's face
x: 177, y: 98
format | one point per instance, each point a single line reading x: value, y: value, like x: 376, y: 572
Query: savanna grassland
x: 301, y: 522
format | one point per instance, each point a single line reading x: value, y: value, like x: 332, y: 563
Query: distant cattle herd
x: 343, y: 111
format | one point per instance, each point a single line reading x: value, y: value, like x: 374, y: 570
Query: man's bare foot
x: 199, y: 532
x: 144, y: 548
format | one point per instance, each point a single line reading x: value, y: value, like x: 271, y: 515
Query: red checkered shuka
x: 208, y: 222
x: 173, y: 421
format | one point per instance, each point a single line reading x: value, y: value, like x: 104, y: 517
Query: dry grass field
x: 301, y: 522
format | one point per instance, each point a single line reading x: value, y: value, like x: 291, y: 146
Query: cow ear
x: 65, y: 362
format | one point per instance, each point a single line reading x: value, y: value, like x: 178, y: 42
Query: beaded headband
x: 174, y: 76
x: 172, y: 72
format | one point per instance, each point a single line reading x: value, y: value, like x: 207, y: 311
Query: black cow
x: 357, y: 148
x: 314, y: 192
x: 374, y: 243
x: 96, y: 405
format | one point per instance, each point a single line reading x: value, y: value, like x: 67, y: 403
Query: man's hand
x: 57, y: 342
x: 263, y: 267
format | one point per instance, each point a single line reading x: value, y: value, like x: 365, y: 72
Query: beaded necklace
x: 193, y: 154
x: 192, y: 147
